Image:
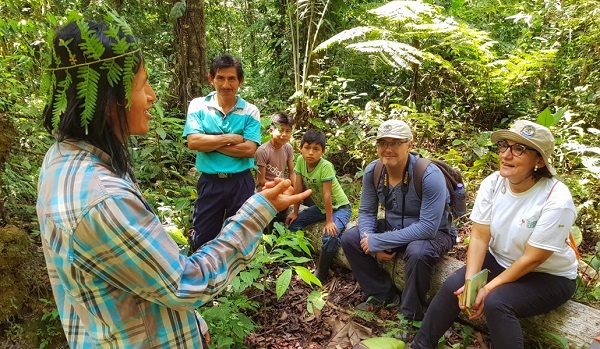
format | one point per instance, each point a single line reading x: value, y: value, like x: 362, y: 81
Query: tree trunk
x: 575, y: 322
x: 191, y: 69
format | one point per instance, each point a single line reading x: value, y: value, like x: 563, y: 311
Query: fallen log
x: 577, y: 323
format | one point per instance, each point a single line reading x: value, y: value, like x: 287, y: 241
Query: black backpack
x: 457, y: 206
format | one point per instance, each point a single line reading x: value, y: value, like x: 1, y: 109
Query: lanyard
x: 405, y: 182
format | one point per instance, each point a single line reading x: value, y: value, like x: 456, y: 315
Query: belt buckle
x: 222, y: 175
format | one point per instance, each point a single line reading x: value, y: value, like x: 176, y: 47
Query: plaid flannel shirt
x: 117, y: 276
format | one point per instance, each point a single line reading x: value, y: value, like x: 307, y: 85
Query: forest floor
x: 286, y: 323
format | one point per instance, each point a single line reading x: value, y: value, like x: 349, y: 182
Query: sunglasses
x: 515, y: 149
x: 392, y: 144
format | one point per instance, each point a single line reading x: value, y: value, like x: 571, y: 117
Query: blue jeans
x: 313, y: 214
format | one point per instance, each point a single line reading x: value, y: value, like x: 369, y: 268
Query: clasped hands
x: 382, y: 256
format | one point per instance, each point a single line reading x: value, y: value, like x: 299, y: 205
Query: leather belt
x: 222, y: 175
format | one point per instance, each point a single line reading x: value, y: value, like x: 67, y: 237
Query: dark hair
x: 542, y: 172
x: 100, y: 132
x: 314, y: 136
x: 226, y: 61
x: 280, y: 118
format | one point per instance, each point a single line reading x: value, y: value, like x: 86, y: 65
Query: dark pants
x: 419, y: 257
x: 533, y: 294
x: 218, y: 199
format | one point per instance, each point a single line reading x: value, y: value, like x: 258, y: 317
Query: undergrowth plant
x: 281, y: 255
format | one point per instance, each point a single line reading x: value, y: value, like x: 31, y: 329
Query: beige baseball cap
x: 532, y: 135
x: 394, y: 129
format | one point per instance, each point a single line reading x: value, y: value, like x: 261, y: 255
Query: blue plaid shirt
x: 117, y: 276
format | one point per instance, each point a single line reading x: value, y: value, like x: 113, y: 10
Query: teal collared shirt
x: 205, y: 116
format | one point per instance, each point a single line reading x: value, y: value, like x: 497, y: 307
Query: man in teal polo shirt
x: 225, y: 131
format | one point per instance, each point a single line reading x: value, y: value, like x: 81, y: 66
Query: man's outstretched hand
x: 281, y: 193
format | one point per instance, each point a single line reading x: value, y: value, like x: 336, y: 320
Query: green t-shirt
x: 314, y: 179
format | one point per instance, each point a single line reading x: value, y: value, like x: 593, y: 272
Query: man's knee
x: 350, y: 237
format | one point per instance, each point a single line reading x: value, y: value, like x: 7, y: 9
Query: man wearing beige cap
x: 416, y: 229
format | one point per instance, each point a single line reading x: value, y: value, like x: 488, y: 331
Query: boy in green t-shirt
x: 330, y: 202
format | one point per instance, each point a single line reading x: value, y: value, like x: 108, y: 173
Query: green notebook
x: 472, y: 286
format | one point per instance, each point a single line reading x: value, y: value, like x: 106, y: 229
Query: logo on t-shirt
x: 277, y: 172
x: 528, y: 224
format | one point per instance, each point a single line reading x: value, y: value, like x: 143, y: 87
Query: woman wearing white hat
x: 521, y: 221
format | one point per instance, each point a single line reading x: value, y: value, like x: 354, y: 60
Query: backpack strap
x: 418, y: 172
x: 377, y: 171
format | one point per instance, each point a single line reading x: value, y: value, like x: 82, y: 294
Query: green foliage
x: 227, y: 322
x: 52, y: 329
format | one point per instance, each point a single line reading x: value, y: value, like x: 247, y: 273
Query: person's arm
x: 123, y: 243
x: 260, y: 177
x: 290, y: 165
x: 478, y: 246
x: 369, y: 204
x: 531, y: 259
x: 245, y: 149
x: 208, y: 143
x: 330, y: 228
x: 297, y: 189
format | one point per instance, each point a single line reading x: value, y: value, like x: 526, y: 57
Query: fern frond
x: 405, y: 11
x: 114, y: 72
x: 113, y: 17
x: 128, y: 75
x: 348, y: 35
x: 112, y: 32
x: 87, y: 90
x: 60, y: 100
x: 121, y: 46
x: 91, y: 45
x: 395, y: 54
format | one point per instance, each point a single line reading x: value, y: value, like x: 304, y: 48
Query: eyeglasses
x: 393, y: 144
x: 515, y: 149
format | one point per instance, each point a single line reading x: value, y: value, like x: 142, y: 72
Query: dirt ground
x: 288, y: 325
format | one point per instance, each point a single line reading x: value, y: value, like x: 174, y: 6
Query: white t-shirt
x: 528, y: 218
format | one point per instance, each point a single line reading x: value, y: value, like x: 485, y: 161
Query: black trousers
x: 533, y: 294
x: 217, y: 200
x: 419, y: 257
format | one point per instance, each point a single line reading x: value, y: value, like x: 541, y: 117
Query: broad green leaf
x: 177, y: 235
x: 315, y: 300
x: 545, y: 118
x: 384, y: 343
x: 307, y: 276
x: 283, y: 282
x: 559, y: 114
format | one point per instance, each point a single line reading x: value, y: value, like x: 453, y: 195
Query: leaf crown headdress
x: 86, y: 68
